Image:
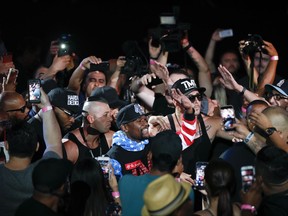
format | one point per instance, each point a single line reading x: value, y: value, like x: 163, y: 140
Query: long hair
x: 89, y: 171
x: 220, y: 179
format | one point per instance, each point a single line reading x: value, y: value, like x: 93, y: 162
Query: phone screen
x: 200, y: 174
x: 228, y: 117
x: 34, y: 92
x: 247, y: 175
x: 104, y: 162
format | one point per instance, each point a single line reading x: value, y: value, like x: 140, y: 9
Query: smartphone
x: 226, y: 33
x: 104, y: 162
x: 248, y: 176
x: 7, y: 58
x: 228, y: 117
x: 34, y: 92
x: 103, y: 66
x: 200, y: 174
x: 12, y: 75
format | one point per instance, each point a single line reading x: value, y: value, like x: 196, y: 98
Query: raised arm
x: 79, y: 73
x: 268, y: 76
x: 51, y: 129
x: 204, y: 74
x: 209, y: 54
x: 230, y: 83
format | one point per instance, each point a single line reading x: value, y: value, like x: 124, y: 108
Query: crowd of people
x: 153, y: 124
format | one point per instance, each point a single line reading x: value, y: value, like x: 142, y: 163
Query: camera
x: 252, y: 45
x: 169, y: 33
x: 134, y: 66
x: 65, y: 45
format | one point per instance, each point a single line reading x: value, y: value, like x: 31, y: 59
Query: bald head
x: 278, y: 117
x: 10, y: 100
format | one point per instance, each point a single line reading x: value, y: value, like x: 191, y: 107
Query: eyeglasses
x: 22, y: 109
x: 74, y: 115
x: 279, y: 97
x: 192, y: 98
x: 276, y: 96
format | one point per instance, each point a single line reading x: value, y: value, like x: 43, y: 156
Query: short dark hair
x: 22, y: 139
x: 272, y: 165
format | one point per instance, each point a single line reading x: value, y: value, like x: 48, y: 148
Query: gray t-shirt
x: 16, y: 186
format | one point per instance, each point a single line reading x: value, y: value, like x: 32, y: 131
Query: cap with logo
x: 281, y: 87
x: 186, y: 86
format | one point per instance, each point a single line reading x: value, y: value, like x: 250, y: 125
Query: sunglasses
x: 276, y: 96
x: 74, y: 115
x: 279, y: 97
x: 192, y: 98
x: 22, y: 109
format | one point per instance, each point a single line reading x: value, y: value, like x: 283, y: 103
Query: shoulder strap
x: 171, y: 121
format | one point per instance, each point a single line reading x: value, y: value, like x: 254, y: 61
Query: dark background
x: 101, y: 27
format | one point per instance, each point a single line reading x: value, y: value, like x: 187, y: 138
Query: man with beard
x: 14, y: 105
x: 94, y: 137
x: 130, y: 145
x: 65, y: 104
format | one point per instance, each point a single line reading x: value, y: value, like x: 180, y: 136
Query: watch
x: 270, y: 130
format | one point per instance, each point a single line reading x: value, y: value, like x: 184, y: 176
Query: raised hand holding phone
x: 34, y: 92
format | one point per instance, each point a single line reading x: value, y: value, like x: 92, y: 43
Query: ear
x: 124, y: 127
x: 90, y: 118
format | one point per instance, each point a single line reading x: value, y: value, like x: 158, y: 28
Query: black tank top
x: 198, y: 151
x: 84, y: 151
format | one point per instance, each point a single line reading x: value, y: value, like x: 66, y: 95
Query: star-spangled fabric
x: 120, y: 139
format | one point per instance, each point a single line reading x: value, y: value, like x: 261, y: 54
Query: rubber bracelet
x: 274, y: 58
x: 47, y: 108
x: 243, y: 91
x: 116, y: 194
x: 82, y: 67
x: 248, y: 207
x: 187, y: 47
x: 248, y: 137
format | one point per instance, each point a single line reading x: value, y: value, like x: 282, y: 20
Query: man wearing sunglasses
x: 278, y: 94
x: 66, y: 107
x: 198, y: 135
x: 15, y: 105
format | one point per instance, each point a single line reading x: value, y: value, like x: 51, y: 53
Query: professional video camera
x: 169, y: 33
x: 252, y: 45
x: 136, y: 62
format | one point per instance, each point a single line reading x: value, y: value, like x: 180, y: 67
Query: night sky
x: 101, y: 27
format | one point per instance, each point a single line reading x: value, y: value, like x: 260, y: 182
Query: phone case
x: 12, y: 75
x: 247, y: 175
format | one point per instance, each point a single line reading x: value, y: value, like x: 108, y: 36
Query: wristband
x: 47, y: 108
x: 248, y: 137
x: 274, y: 58
x: 116, y: 194
x: 187, y: 47
x: 82, y: 67
x: 248, y: 207
x: 243, y: 91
